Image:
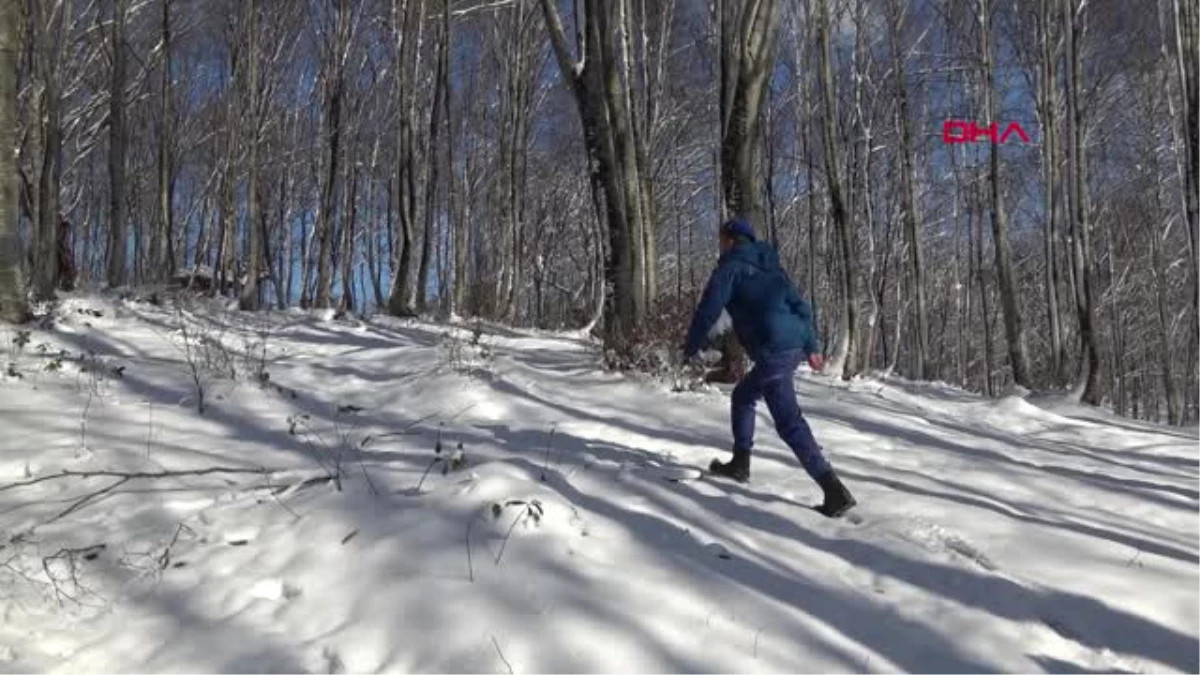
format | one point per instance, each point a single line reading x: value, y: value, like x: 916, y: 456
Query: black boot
x: 737, y: 468
x: 838, y: 499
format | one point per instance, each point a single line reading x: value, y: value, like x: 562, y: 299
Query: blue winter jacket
x: 769, y: 316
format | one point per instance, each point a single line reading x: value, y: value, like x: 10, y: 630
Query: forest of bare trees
x: 565, y: 164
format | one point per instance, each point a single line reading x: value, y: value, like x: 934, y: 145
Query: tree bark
x: 597, y: 86
x: 334, y: 93
x: 1187, y: 41
x: 748, y: 61
x: 250, y: 295
x: 908, y: 200
x: 117, y: 242
x: 12, y: 296
x: 408, y: 24
x: 1010, y: 299
x: 1087, y: 386
x: 164, y: 253
x: 844, y: 358
x: 1051, y: 179
x: 45, y: 221
x: 434, y: 178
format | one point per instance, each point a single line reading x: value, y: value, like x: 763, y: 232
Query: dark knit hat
x: 738, y: 227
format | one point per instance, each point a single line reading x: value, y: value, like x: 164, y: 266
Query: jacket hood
x: 760, y: 254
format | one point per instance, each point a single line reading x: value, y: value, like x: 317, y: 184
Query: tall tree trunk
x: 982, y: 283
x: 1050, y: 179
x: 1116, y: 324
x: 12, y: 297
x: 433, y: 159
x: 596, y: 82
x: 334, y: 94
x: 908, y: 199
x: 45, y: 221
x: 1010, y: 298
x: 117, y: 241
x: 1162, y: 303
x: 844, y: 359
x: 1087, y: 386
x: 1187, y: 44
x: 750, y: 59
x: 408, y: 24
x: 456, y: 278
x: 287, y: 260
x: 250, y: 294
x: 349, y: 223
x: 164, y: 252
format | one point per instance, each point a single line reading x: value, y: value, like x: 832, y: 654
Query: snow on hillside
x: 551, y: 532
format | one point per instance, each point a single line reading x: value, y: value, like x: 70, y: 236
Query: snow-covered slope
x: 995, y: 535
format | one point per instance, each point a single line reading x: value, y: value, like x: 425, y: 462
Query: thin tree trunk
x: 844, y: 359
x: 908, y: 202
x: 349, y: 229
x: 434, y: 173
x: 164, y: 258
x: 1157, y: 270
x: 250, y: 294
x: 117, y: 242
x: 455, y: 273
x: 1051, y: 179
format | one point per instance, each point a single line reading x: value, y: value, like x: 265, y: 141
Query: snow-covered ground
x: 995, y: 535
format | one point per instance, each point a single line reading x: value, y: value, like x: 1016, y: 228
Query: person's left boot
x: 838, y: 499
x: 737, y: 468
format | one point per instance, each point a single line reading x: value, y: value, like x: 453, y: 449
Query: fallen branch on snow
x: 131, y: 475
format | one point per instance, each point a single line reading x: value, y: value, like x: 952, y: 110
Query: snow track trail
x: 399, y: 496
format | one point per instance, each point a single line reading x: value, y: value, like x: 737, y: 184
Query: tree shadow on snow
x: 921, y: 649
x: 1108, y: 627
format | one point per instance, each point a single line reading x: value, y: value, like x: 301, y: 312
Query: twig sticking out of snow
x: 506, y: 663
x: 530, y: 510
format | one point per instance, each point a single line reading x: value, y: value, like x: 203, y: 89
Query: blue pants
x: 771, y: 379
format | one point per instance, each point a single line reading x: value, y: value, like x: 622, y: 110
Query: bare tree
x: 166, y: 251
x: 45, y: 34
x: 750, y: 32
x: 336, y: 42
x: 1010, y: 300
x: 407, y: 26
x: 117, y: 242
x: 601, y: 96
x: 1086, y: 384
x: 843, y: 362
x: 250, y: 296
x: 908, y: 198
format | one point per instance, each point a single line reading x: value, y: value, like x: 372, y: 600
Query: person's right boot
x: 838, y: 499
x: 737, y: 468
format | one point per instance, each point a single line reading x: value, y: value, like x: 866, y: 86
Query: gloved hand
x: 816, y: 362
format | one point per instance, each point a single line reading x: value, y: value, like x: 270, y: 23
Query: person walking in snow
x: 776, y: 327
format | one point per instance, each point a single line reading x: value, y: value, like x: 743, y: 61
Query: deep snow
x: 1009, y: 535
